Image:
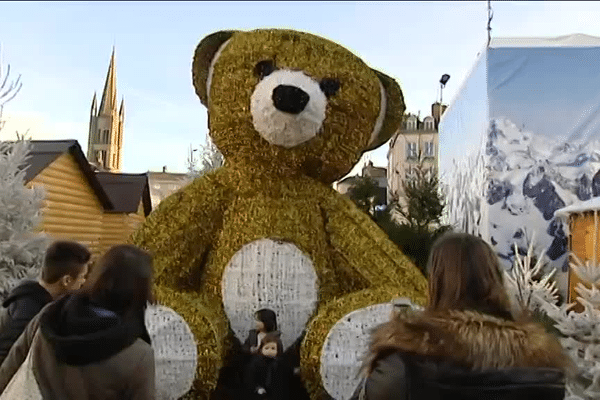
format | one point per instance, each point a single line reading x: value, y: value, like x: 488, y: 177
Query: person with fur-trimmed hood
x: 466, y: 344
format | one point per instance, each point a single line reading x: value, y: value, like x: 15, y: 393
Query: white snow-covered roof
x: 575, y: 40
x: 583, y: 206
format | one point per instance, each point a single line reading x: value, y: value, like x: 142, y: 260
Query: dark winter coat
x: 272, y: 374
x: 22, y: 304
x: 464, y: 355
x: 81, y: 351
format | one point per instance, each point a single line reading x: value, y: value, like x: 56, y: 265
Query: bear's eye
x: 329, y: 86
x: 264, y: 68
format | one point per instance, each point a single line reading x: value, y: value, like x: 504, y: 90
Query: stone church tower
x: 105, y: 140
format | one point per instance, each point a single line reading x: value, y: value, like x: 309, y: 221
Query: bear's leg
x: 337, y: 339
x: 209, y: 326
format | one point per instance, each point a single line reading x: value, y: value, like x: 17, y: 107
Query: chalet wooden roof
x: 126, y: 191
x: 44, y: 152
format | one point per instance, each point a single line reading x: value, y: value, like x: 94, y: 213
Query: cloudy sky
x: 62, y: 52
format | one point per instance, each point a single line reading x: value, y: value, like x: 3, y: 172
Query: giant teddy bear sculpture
x: 292, y: 113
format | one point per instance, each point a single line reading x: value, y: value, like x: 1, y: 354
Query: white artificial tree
x: 529, y: 287
x: 579, y: 332
x: 210, y: 159
x: 21, y: 248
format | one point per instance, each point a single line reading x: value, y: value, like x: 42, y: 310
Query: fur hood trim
x: 472, y: 340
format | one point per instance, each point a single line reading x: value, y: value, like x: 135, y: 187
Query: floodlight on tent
x: 445, y: 78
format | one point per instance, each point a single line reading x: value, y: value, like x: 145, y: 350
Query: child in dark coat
x: 268, y: 375
x: 266, y: 322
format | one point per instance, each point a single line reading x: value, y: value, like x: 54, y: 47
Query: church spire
x: 109, y: 96
x: 106, y: 125
x: 122, y: 108
x: 94, y: 110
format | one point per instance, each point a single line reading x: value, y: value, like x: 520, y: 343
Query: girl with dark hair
x: 92, y: 344
x: 268, y: 375
x: 266, y: 322
x: 466, y: 344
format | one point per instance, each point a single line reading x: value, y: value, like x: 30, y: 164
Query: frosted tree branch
x: 21, y: 250
x: 580, y: 331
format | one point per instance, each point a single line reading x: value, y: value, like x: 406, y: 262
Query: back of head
x: 64, y: 258
x: 465, y: 275
x: 268, y: 318
x: 122, y: 280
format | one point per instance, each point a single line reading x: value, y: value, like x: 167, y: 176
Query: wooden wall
x: 71, y: 209
x: 581, y: 243
x: 117, y: 227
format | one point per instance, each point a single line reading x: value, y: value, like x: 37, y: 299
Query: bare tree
x: 8, y: 88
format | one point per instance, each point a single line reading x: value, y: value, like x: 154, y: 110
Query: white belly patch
x: 270, y: 274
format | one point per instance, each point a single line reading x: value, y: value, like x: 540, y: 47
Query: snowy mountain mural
x: 529, y: 177
x: 520, y: 140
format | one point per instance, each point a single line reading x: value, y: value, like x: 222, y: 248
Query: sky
x: 62, y: 51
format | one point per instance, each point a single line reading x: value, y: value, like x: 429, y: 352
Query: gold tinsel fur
x: 266, y: 191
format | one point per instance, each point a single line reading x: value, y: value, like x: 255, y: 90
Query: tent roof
x: 574, y: 40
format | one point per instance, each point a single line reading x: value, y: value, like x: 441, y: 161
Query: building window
x: 101, y: 158
x: 411, y: 123
x: 411, y: 150
x: 429, y: 151
x: 429, y: 124
x: 105, y: 138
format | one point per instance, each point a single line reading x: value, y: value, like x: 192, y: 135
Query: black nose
x: 290, y: 99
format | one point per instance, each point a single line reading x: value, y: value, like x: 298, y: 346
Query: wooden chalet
x: 583, y: 235
x: 98, y: 209
x: 130, y: 197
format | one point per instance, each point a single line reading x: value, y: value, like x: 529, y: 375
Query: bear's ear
x: 203, y: 57
x: 390, y: 118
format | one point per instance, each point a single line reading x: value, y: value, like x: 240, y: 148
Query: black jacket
x: 22, y: 304
x: 464, y: 355
x: 403, y: 377
x: 272, y: 374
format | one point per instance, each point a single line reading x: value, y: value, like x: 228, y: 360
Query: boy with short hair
x: 64, y: 270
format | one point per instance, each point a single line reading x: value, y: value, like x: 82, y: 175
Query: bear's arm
x: 365, y: 247
x: 181, y: 230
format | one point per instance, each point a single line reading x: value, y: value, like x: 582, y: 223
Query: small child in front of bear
x: 268, y: 375
x: 266, y: 322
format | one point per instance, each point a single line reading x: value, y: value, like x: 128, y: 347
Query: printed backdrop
x: 522, y: 140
